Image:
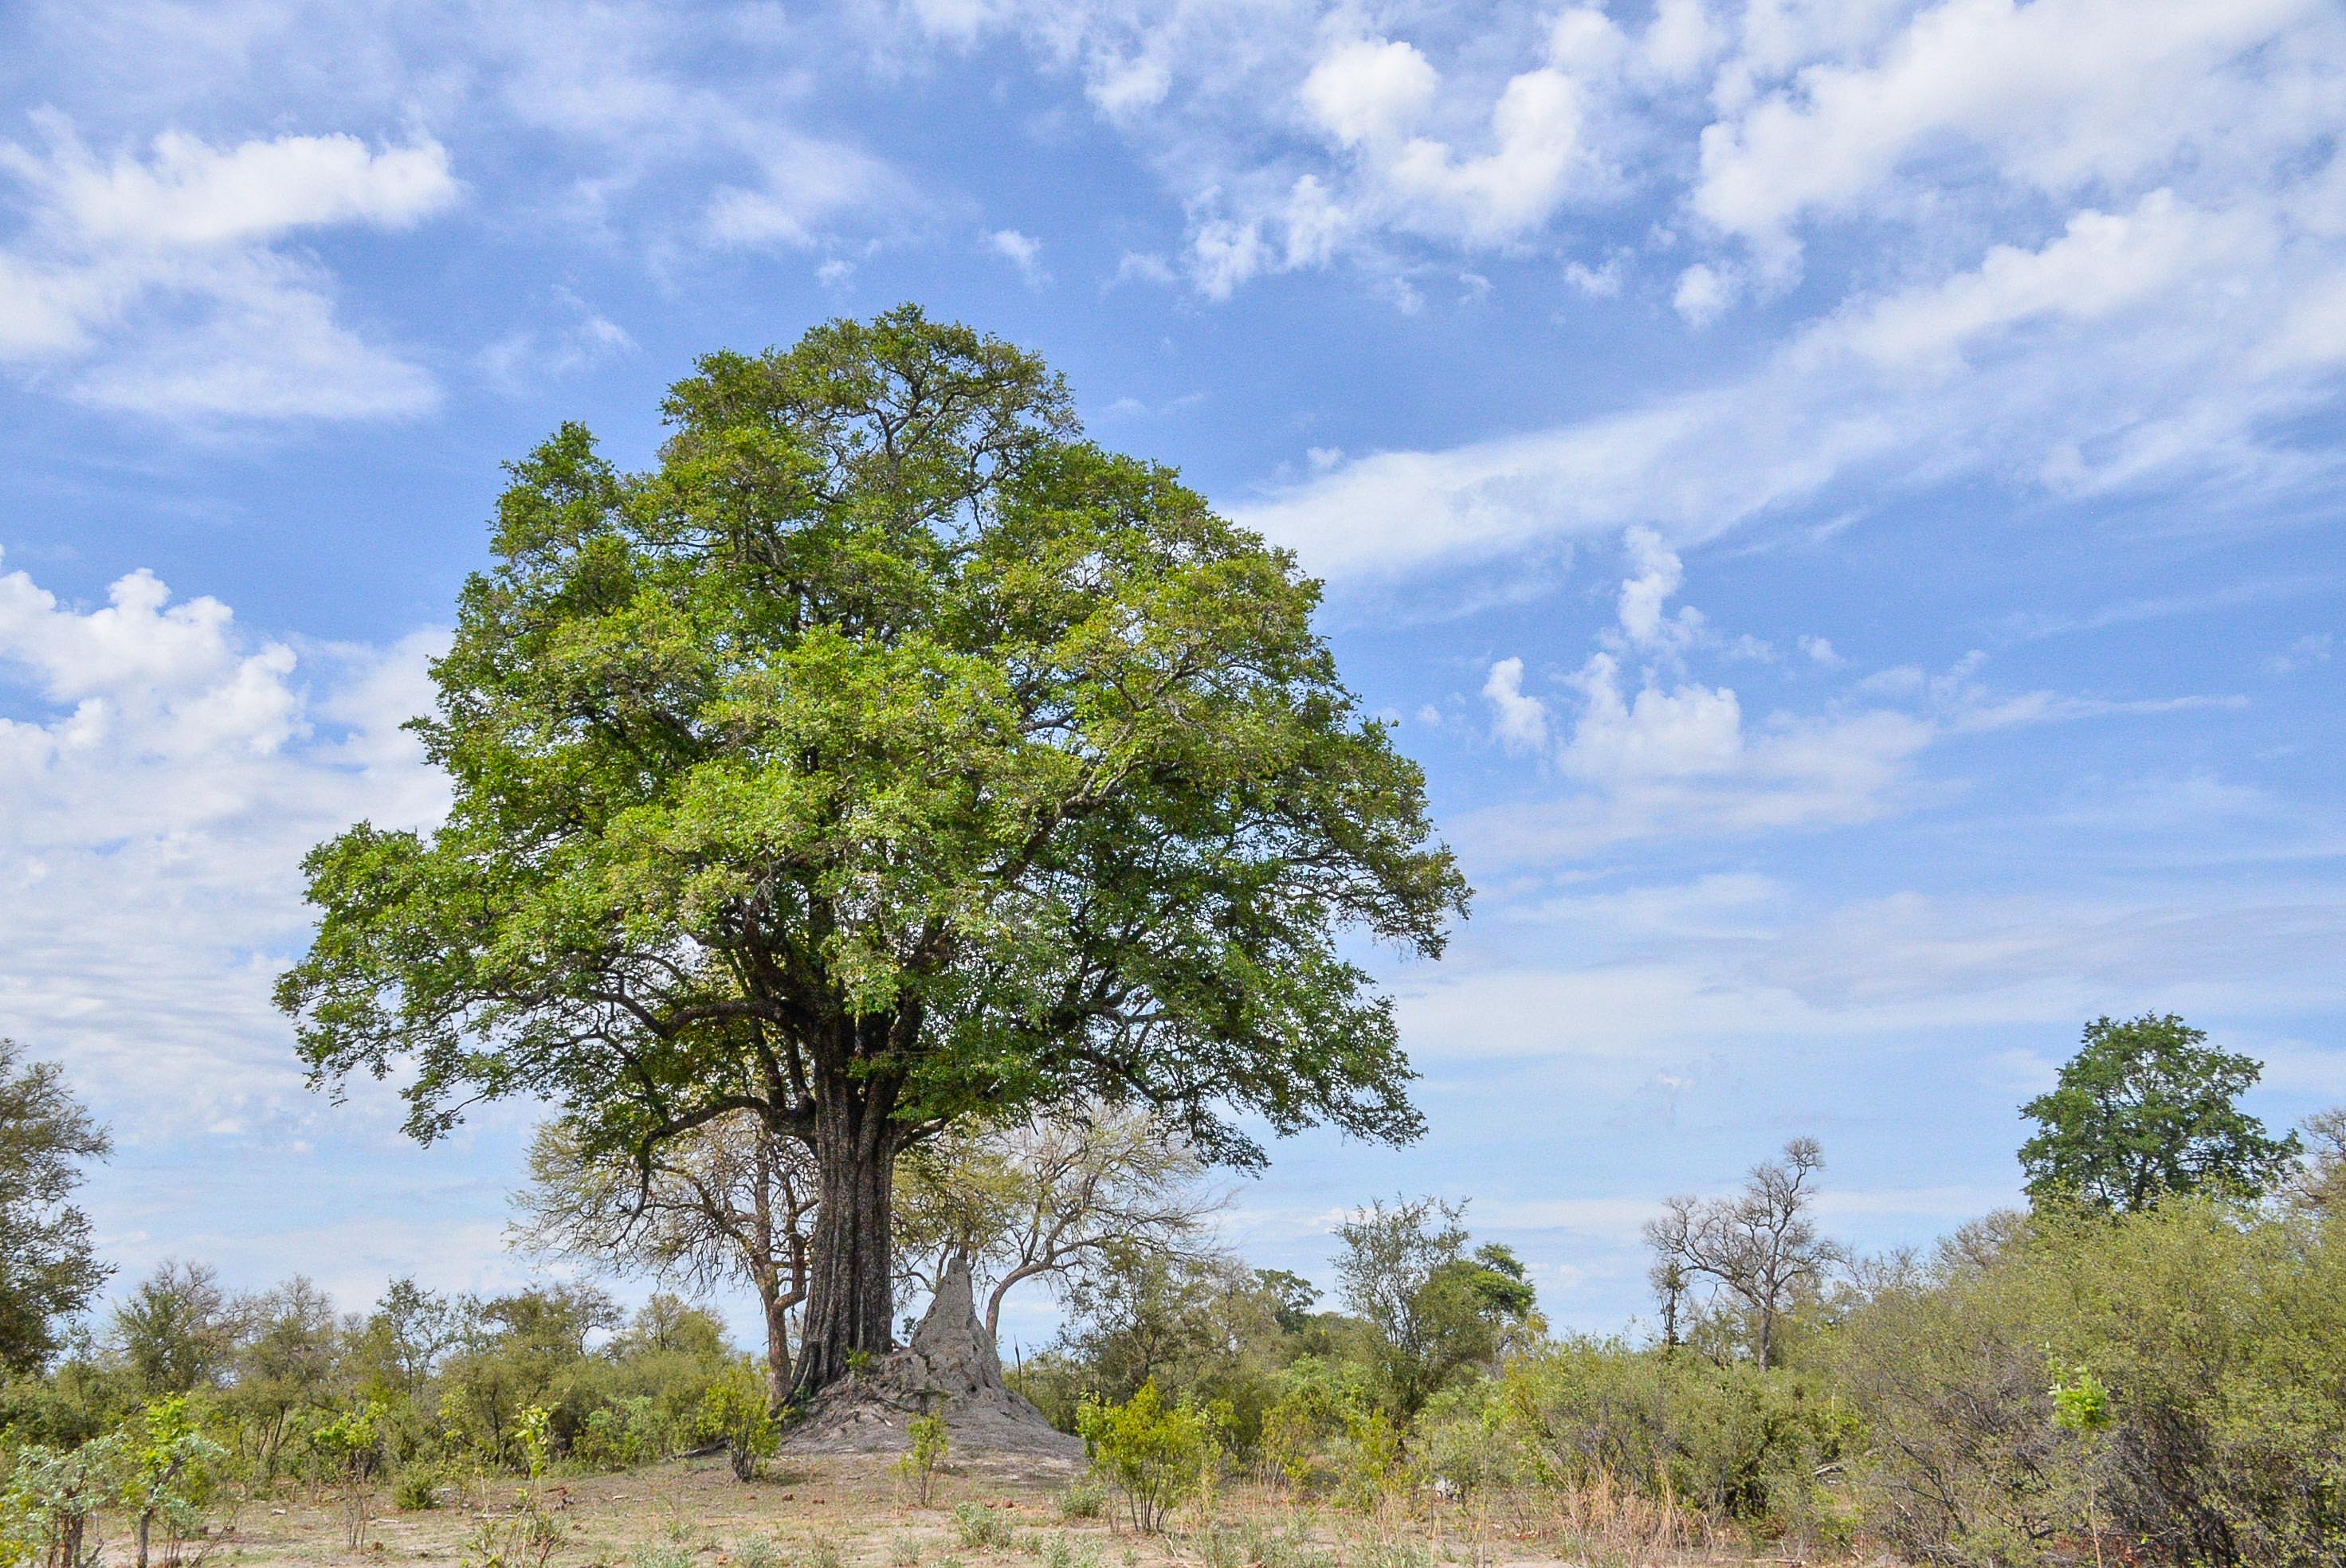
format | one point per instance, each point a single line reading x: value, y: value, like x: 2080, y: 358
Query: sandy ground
x: 855, y: 1512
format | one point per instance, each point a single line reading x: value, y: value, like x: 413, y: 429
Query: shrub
x: 978, y: 1528
x: 1084, y: 1498
x: 1153, y: 1454
x: 2216, y: 1336
x: 416, y: 1489
x: 734, y: 1412
x: 53, y: 1495
x: 930, y: 1443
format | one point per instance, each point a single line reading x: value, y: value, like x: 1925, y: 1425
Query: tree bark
x: 778, y: 1339
x: 851, y: 1285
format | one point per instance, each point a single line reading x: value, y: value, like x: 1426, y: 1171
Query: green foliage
x: 734, y: 1412
x: 1083, y: 1498
x: 929, y: 1444
x: 46, y: 1269
x: 416, y: 1489
x: 1320, y: 1404
x: 2217, y: 1335
x: 53, y: 1498
x: 1156, y: 1454
x: 167, y: 1473
x: 889, y: 748
x: 352, y: 1443
x: 978, y: 1528
x: 177, y: 1330
x: 1437, y: 1312
x: 2145, y: 1109
x: 1732, y: 1439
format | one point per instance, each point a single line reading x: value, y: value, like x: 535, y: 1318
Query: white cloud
x: 525, y: 357
x: 1369, y: 90
x: 155, y: 799
x: 2127, y: 349
x: 1703, y: 294
x: 156, y: 281
x: 1023, y: 251
x: 807, y: 185
x: 1520, y: 722
x: 1656, y: 574
x: 2056, y: 95
x: 190, y: 194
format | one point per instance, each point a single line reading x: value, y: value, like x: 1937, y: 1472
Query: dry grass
x: 854, y: 1512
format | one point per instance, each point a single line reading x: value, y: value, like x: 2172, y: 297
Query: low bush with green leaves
x: 977, y: 1528
x: 1154, y: 1453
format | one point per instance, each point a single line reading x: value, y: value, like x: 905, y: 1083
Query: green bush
x: 1155, y: 1454
x: 978, y: 1528
x: 1084, y: 1498
x: 2218, y: 1334
x: 1727, y: 1438
x: 416, y: 1489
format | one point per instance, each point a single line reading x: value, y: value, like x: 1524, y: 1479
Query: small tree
x: 1436, y: 1310
x: 928, y: 1441
x: 46, y: 1271
x: 166, y: 1473
x: 729, y: 1202
x: 351, y: 1443
x: 1760, y: 1246
x: 53, y: 1497
x: 1154, y: 1453
x: 2146, y: 1108
x: 1049, y: 1197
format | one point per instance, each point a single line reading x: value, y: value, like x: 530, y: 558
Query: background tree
x: 2148, y: 1107
x: 1760, y: 1246
x: 2320, y: 1186
x: 1047, y: 1197
x: 888, y: 755
x: 177, y: 1330
x: 729, y: 1201
x: 46, y: 1270
x: 1436, y: 1310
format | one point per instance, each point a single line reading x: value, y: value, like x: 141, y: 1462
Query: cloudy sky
x: 1839, y: 495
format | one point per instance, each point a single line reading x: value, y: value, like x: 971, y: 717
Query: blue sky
x: 1841, y: 496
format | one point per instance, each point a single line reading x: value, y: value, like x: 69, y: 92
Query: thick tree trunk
x: 851, y: 1283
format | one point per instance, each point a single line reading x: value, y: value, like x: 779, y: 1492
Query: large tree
x: 46, y: 1270
x: 886, y: 753
x: 2145, y: 1108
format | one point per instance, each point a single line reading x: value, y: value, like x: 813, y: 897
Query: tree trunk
x: 778, y: 1339
x: 852, y: 1284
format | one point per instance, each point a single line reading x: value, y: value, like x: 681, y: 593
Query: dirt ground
x: 855, y: 1512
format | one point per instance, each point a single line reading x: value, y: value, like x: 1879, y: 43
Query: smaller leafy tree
x: 2081, y: 1406
x: 351, y: 1441
x: 929, y: 1444
x: 52, y: 1502
x: 2145, y: 1109
x: 1156, y: 1454
x: 167, y: 1474
x: 734, y: 1412
x: 1437, y: 1309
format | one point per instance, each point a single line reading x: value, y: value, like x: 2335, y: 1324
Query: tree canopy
x: 886, y: 753
x: 46, y: 1270
x: 2146, y: 1108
